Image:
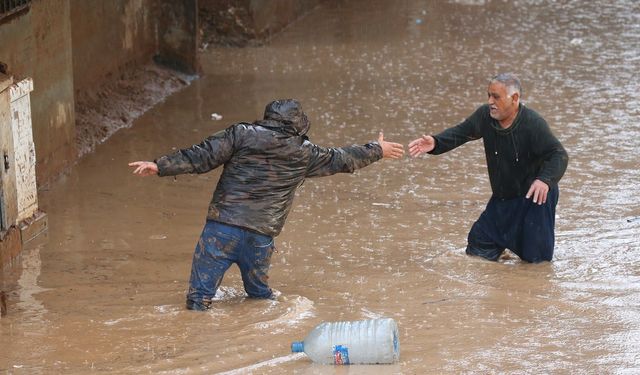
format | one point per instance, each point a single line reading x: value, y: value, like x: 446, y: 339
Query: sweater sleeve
x: 466, y: 131
x: 208, y: 155
x: 555, y: 157
x: 328, y: 161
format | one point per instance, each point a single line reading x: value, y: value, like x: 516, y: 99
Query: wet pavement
x: 103, y: 291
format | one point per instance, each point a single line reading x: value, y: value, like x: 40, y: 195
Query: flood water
x: 103, y: 291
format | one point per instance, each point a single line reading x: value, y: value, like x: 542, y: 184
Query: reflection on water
x: 386, y: 241
x: 28, y: 286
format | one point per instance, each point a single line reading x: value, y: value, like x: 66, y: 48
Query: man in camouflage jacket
x: 264, y: 163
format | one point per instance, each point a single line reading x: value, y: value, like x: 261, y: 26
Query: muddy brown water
x: 103, y: 291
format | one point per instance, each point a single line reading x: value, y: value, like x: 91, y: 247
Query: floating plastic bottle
x: 358, y: 342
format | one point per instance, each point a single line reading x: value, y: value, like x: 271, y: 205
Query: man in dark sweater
x: 525, y: 161
x: 264, y: 163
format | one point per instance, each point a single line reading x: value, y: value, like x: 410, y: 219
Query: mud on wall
x: 240, y: 23
x: 109, y: 36
x: 71, y: 47
x: 37, y: 44
x: 114, y: 44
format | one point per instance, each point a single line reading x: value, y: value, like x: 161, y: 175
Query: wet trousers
x: 519, y: 225
x: 219, y: 247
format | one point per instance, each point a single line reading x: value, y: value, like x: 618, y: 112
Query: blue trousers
x: 220, y: 246
x: 519, y: 225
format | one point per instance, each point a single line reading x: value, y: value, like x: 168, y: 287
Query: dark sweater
x: 516, y: 156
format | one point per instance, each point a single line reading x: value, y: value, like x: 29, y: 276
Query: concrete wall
x: 71, y: 46
x: 179, y: 38
x: 270, y: 17
x: 243, y: 22
x: 108, y: 36
x: 37, y: 44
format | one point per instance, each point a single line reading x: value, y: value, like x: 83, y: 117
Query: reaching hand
x: 390, y: 149
x: 539, y: 191
x: 144, y: 168
x: 421, y: 145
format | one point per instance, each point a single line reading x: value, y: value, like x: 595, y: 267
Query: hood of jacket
x: 285, y: 115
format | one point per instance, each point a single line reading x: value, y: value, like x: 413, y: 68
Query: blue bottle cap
x: 297, y: 347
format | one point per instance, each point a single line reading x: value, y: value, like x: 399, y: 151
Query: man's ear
x: 515, y: 97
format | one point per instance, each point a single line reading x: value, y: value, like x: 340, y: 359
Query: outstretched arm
x: 426, y: 143
x: 200, y: 158
x: 144, y: 168
x: 329, y: 161
x: 453, y: 137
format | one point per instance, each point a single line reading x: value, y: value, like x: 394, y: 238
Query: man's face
x: 501, y: 105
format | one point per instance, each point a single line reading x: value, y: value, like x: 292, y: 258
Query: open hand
x: 421, y: 145
x: 390, y: 149
x: 144, y: 168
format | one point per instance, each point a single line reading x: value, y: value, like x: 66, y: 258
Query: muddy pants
x: 220, y: 246
x: 519, y: 225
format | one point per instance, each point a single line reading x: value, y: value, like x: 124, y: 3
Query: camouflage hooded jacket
x: 264, y: 163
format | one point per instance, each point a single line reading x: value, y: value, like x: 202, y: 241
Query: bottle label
x: 340, y: 355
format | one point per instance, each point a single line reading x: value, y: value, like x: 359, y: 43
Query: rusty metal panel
x: 24, y: 149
